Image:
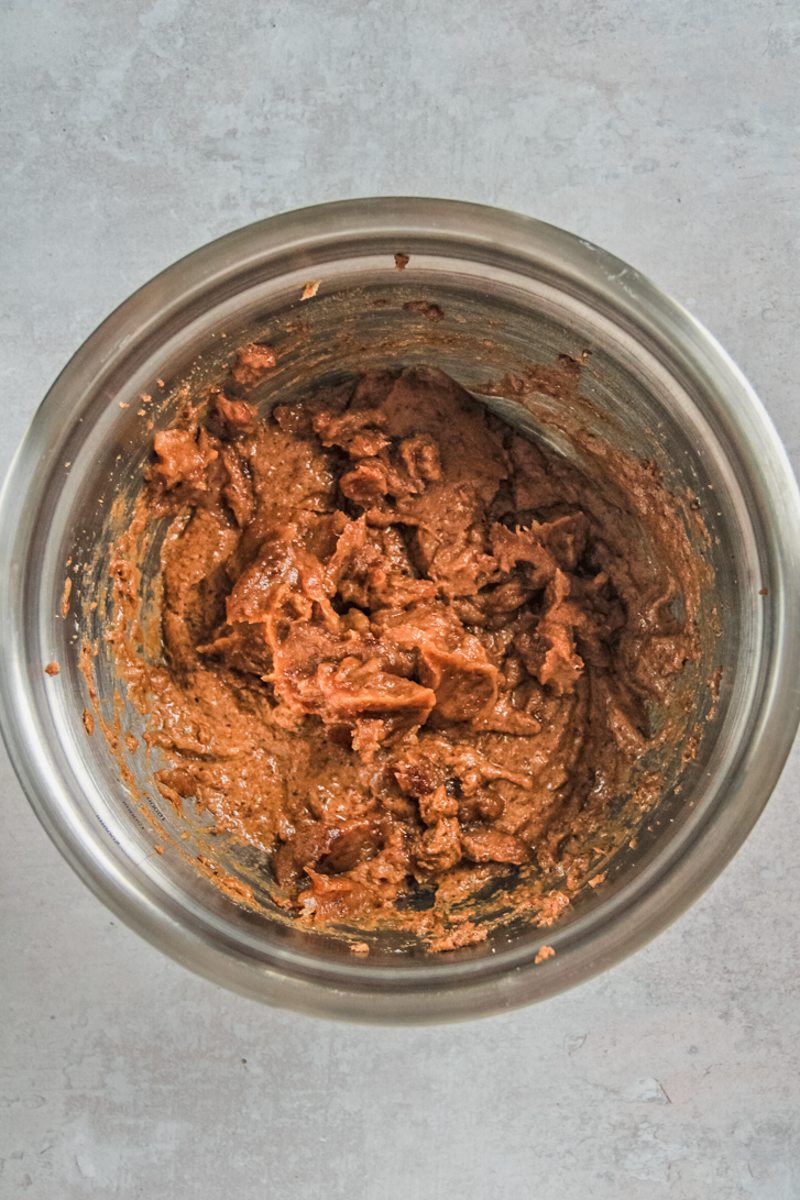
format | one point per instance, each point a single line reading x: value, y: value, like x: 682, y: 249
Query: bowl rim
x: 628, y: 292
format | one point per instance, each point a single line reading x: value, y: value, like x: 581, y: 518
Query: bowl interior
x: 356, y: 323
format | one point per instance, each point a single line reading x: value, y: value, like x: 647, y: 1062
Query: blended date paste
x: 405, y: 649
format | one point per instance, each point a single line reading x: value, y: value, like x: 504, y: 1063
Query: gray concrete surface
x: 133, y: 132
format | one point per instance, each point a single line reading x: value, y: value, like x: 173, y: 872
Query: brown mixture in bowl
x: 406, y: 649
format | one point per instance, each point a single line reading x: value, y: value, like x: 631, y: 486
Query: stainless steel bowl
x: 512, y: 289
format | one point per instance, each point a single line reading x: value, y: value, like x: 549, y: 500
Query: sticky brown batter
x: 406, y: 649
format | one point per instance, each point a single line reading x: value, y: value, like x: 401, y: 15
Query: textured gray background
x: 665, y: 130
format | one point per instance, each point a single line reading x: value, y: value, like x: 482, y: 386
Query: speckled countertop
x: 130, y: 134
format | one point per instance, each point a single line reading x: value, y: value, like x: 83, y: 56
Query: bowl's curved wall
x: 512, y: 290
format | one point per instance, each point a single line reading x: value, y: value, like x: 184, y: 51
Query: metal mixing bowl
x: 512, y: 290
